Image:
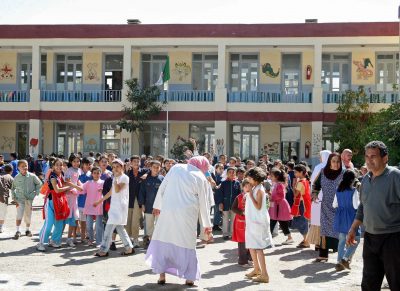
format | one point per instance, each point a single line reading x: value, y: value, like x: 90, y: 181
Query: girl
x: 258, y: 235
x: 301, y: 209
x: 239, y: 224
x: 56, y: 208
x: 72, y: 179
x: 346, y: 202
x: 279, y: 207
x: 93, y: 190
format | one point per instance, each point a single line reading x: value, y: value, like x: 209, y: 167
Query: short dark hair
x: 290, y: 165
x: 8, y: 169
x: 14, y: 155
x: 135, y: 157
x: 40, y: 156
x: 376, y: 144
x: 95, y: 168
x: 279, y: 174
x: 155, y: 162
x: 85, y: 160
x: 72, y: 157
x: 91, y: 154
x: 257, y: 174
x: 20, y: 162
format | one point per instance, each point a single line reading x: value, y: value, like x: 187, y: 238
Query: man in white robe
x: 183, y: 198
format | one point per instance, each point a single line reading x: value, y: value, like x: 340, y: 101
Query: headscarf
x: 328, y: 172
x: 200, y: 162
x: 324, y: 158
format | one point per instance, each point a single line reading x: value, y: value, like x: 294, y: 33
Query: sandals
x: 189, y: 283
x: 320, y: 260
x: 261, y: 279
x: 161, y: 282
x: 99, y: 255
x: 302, y: 246
x: 252, y: 274
x: 124, y: 253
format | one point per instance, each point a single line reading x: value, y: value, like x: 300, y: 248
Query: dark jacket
x: 148, y: 192
x: 134, y: 185
x: 227, y: 193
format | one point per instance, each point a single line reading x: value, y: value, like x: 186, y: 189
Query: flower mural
x: 363, y: 71
x: 6, y: 72
x: 182, y: 70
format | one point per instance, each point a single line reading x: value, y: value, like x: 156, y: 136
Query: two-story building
x: 238, y: 89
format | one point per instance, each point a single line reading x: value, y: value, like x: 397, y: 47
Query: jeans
x: 99, y: 228
x: 107, y: 237
x: 217, y: 215
x: 346, y: 252
x: 49, y: 222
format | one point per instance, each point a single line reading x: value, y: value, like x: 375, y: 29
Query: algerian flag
x: 164, y: 76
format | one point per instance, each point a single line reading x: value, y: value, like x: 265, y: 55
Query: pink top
x: 91, y: 188
x: 279, y: 207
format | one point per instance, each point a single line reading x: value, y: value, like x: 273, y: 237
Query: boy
x: 147, y: 195
x: 6, y: 182
x: 84, y: 177
x: 14, y: 163
x: 118, y: 213
x: 228, y: 191
x: 219, y: 169
x: 24, y: 189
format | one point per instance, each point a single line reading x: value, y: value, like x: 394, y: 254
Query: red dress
x: 306, y: 201
x: 239, y: 224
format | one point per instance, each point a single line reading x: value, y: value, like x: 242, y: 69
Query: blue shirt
x: 15, y: 171
x: 83, y: 178
x: 148, y: 191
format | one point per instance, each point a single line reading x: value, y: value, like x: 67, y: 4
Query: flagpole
x: 167, y: 128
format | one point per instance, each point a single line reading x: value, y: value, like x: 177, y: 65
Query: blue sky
x: 205, y: 11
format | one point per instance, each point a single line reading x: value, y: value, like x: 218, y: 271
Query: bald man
x: 346, y: 157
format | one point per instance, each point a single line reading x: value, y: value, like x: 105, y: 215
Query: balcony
x: 268, y: 97
x: 14, y: 96
x: 373, y: 97
x: 187, y: 96
x: 80, y: 96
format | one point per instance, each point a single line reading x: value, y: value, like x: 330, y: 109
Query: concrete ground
x: 22, y: 267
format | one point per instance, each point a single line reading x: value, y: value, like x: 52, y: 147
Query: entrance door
x: 69, y: 138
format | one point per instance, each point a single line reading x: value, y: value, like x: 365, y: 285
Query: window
x: 22, y: 139
x: 154, y: 140
x: 204, y: 135
x: 290, y: 143
x: 113, y: 72
x: 152, y: 66
x: 291, y: 74
x: 110, y: 138
x: 43, y: 71
x: 246, y: 141
x: 69, y: 138
x: 244, y: 72
x: 387, y: 67
x: 327, y: 141
x: 69, y: 72
x: 335, y: 74
x: 25, y: 72
x: 205, y: 72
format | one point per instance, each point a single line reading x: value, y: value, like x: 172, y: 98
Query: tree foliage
x: 179, y: 148
x: 143, y: 106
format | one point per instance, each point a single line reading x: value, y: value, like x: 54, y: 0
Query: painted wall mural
x: 92, y: 72
x: 363, y: 71
x: 271, y: 148
x: 91, y: 143
x: 7, y: 143
x: 316, y: 144
x: 6, y: 72
x: 269, y: 71
x: 182, y: 70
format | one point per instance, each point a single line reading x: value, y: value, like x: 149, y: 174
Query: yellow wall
x: 175, y: 130
x: 270, y: 136
x: 8, y: 59
x: 180, y: 67
x: 273, y: 57
x: 7, y: 137
x: 91, y: 128
x: 48, y: 139
x: 363, y: 76
x: 50, y: 68
x: 306, y: 135
x: 136, y: 64
x: 92, y: 67
x: 308, y: 59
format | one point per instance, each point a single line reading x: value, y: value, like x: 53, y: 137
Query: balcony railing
x: 373, y: 97
x: 80, y: 96
x: 268, y: 97
x: 14, y: 96
x: 187, y: 96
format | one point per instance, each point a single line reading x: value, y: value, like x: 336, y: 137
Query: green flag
x: 164, y: 76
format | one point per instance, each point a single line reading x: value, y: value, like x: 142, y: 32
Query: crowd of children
x: 99, y: 197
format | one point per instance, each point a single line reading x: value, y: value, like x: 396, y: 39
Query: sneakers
x: 345, y: 264
x: 339, y: 267
x: 70, y: 243
x: 28, y: 233
x: 289, y: 241
x: 113, y: 247
x: 17, y: 235
x: 54, y: 245
x: 40, y: 247
x: 135, y: 243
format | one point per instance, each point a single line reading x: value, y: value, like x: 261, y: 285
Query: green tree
x: 143, y: 106
x: 180, y: 146
x: 352, y: 127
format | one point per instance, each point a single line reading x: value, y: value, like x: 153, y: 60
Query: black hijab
x: 328, y: 172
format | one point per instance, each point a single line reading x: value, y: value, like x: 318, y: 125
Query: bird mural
x: 363, y: 72
x: 268, y: 70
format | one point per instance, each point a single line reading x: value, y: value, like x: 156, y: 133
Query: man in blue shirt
x: 14, y: 164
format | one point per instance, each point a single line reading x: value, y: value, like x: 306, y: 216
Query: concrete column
x: 317, y: 89
x: 35, y: 132
x: 35, y: 67
x: 221, y: 137
x: 126, y: 144
x: 316, y: 142
x: 220, y: 90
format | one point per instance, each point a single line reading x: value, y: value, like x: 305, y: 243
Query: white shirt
x: 356, y: 200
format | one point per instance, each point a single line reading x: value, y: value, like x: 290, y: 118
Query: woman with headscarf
x: 314, y: 233
x: 328, y: 181
x: 182, y: 198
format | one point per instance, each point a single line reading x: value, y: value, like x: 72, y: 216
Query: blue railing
x: 268, y: 97
x: 187, y: 96
x: 373, y: 97
x: 14, y: 96
x: 80, y: 96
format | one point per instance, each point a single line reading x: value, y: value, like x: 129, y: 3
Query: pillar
x: 317, y: 88
x: 126, y: 144
x: 221, y: 137
x: 35, y: 137
x: 220, y: 90
x: 316, y: 142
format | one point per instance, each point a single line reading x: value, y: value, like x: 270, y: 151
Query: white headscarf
x: 324, y: 158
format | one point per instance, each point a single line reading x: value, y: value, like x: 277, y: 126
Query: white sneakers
x: 40, y: 247
x: 288, y: 242
x: 70, y: 242
x: 54, y: 245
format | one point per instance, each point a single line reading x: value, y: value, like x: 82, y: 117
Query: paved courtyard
x: 22, y: 267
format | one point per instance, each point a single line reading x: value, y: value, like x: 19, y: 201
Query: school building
x: 239, y: 89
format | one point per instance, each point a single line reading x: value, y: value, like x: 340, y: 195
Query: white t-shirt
x: 118, y: 213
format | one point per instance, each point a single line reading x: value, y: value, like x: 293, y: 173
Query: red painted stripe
x: 201, y: 30
x: 173, y: 116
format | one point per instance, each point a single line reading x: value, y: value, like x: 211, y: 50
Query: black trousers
x: 284, y: 226
x: 381, y: 255
x: 244, y: 254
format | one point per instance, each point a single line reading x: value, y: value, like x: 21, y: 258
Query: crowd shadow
x: 282, y: 251
x: 230, y: 269
x: 238, y: 285
x: 33, y: 283
x: 303, y: 255
x: 168, y: 286
x: 141, y: 273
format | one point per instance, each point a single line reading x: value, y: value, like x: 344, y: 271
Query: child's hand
x: 96, y: 203
x: 156, y: 212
